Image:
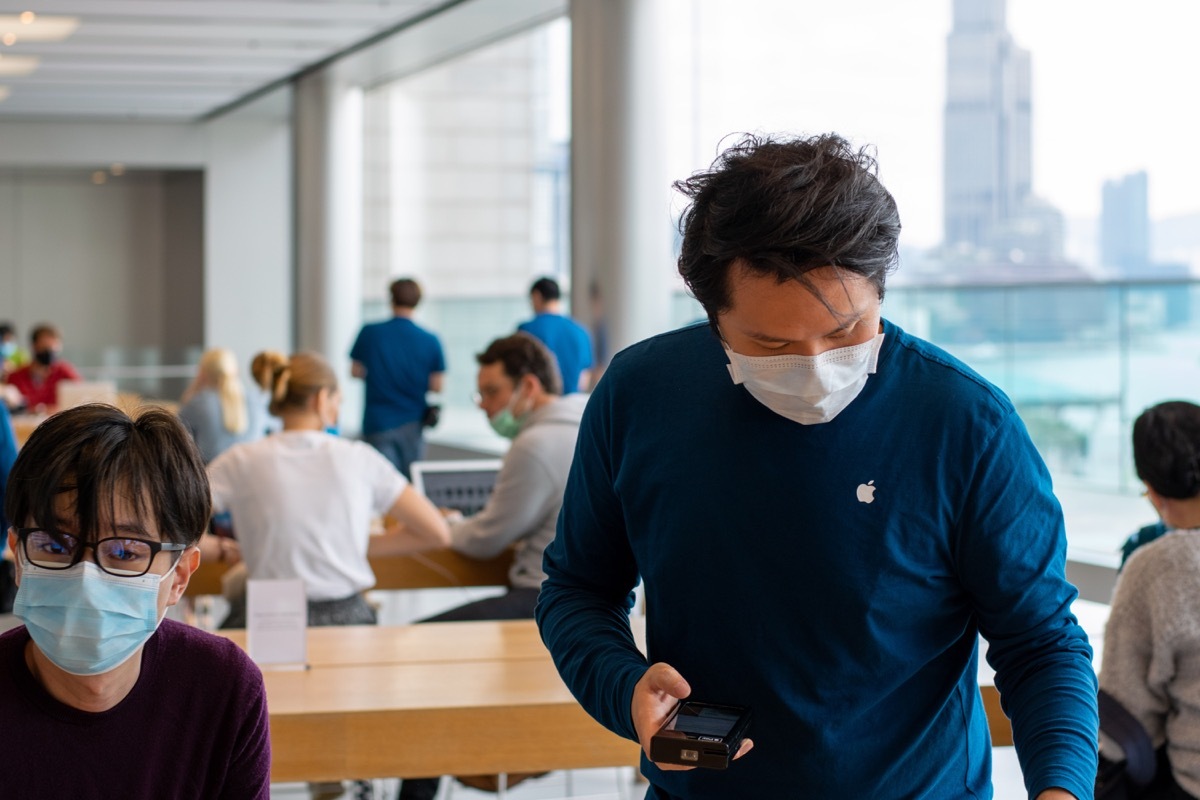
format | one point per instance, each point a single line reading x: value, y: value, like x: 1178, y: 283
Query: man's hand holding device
x: 655, y: 700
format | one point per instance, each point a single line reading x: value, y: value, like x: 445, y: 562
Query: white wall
x: 92, y: 258
x: 248, y: 208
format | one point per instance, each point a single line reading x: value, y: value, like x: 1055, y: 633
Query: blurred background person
x: 566, y: 338
x: 399, y: 361
x: 12, y: 357
x: 38, y: 380
x: 8, y: 455
x: 1151, y: 658
x: 301, y: 501
x: 521, y: 393
x: 258, y: 393
x: 215, y: 408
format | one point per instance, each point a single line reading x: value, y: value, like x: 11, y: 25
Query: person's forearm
x: 593, y: 648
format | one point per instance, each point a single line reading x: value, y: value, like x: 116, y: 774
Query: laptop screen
x: 462, y: 485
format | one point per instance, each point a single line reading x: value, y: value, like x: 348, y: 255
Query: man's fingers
x: 747, y: 744
x: 664, y: 678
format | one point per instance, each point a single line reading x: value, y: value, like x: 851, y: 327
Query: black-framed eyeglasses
x: 123, y: 556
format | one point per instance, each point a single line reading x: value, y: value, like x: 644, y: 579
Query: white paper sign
x: 276, y: 622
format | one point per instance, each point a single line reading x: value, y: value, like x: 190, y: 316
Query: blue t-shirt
x: 399, y: 357
x: 848, y: 620
x: 569, y: 343
x: 8, y: 455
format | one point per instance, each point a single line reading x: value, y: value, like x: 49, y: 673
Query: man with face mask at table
x: 520, y: 390
x: 38, y: 380
x: 99, y: 695
x: 827, y: 512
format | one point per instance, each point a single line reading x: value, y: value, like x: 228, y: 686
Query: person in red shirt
x: 38, y: 381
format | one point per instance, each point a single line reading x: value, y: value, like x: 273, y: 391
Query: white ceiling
x: 183, y: 59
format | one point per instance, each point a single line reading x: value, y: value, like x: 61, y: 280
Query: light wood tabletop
x: 413, y: 718
x: 436, y: 569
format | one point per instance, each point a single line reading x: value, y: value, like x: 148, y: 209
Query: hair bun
x: 282, y: 379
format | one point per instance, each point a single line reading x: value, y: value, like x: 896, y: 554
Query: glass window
x: 1050, y: 239
x: 466, y: 190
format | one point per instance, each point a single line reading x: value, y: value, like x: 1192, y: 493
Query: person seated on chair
x: 99, y: 694
x: 301, y: 501
x: 520, y: 391
x: 38, y: 380
x: 1151, y: 661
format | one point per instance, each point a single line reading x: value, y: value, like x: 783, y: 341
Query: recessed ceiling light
x: 99, y: 177
x: 36, y: 28
x: 117, y: 170
x: 9, y: 39
x: 17, y: 65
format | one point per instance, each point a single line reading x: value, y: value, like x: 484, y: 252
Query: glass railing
x: 1080, y: 362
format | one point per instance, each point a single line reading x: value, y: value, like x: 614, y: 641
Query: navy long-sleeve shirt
x: 849, y: 627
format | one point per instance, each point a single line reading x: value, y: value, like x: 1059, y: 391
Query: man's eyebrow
x: 131, y: 529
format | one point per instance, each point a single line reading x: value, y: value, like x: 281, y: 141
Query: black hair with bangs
x: 100, y: 453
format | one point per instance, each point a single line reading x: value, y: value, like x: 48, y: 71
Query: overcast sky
x: 1114, y: 91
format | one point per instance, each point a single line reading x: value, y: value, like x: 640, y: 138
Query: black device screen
x: 694, y: 719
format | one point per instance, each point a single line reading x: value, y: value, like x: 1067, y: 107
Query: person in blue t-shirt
x: 400, y: 361
x: 8, y: 455
x: 564, y: 337
x: 827, y: 512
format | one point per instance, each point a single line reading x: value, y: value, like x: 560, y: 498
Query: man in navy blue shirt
x: 400, y: 361
x: 827, y: 513
x: 565, y: 337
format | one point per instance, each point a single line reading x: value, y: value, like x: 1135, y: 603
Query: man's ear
x: 183, y: 573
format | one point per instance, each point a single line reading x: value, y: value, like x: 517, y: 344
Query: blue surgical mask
x: 84, y: 620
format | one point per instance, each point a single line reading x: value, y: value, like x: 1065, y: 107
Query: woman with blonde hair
x: 214, y: 407
x: 301, y: 501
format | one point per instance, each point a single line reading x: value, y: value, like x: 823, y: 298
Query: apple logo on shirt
x: 866, y: 492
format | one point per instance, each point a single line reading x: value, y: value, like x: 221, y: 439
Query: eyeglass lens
x: 118, y: 556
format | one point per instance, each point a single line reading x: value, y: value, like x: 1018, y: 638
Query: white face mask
x: 807, y: 389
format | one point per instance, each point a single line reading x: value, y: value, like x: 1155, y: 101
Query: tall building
x: 1125, y: 225
x: 988, y: 164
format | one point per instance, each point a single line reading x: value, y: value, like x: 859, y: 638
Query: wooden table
x: 434, y: 642
x: 437, y: 569
x: 434, y: 718
x: 457, y: 698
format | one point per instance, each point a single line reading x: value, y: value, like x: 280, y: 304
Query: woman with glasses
x: 301, y: 501
x: 1151, y: 659
x: 99, y: 695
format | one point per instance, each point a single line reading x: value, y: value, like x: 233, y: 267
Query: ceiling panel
x: 182, y: 59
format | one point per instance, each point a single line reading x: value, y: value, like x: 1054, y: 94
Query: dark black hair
x: 784, y: 207
x: 523, y: 354
x: 406, y: 293
x: 7, y: 329
x: 43, y: 329
x: 99, y: 452
x: 1166, y: 449
x: 548, y: 288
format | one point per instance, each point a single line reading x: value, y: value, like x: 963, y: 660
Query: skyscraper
x: 1125, y: 225
x: 987, y: 129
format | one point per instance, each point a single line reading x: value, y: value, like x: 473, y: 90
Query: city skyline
x: 1107, y: 94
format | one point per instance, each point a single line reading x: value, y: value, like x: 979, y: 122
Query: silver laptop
x: 464, y: 485
x: 77, y: 393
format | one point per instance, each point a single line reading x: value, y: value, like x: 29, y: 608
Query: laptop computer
x: 463, y: 485
x: 77, y: 393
